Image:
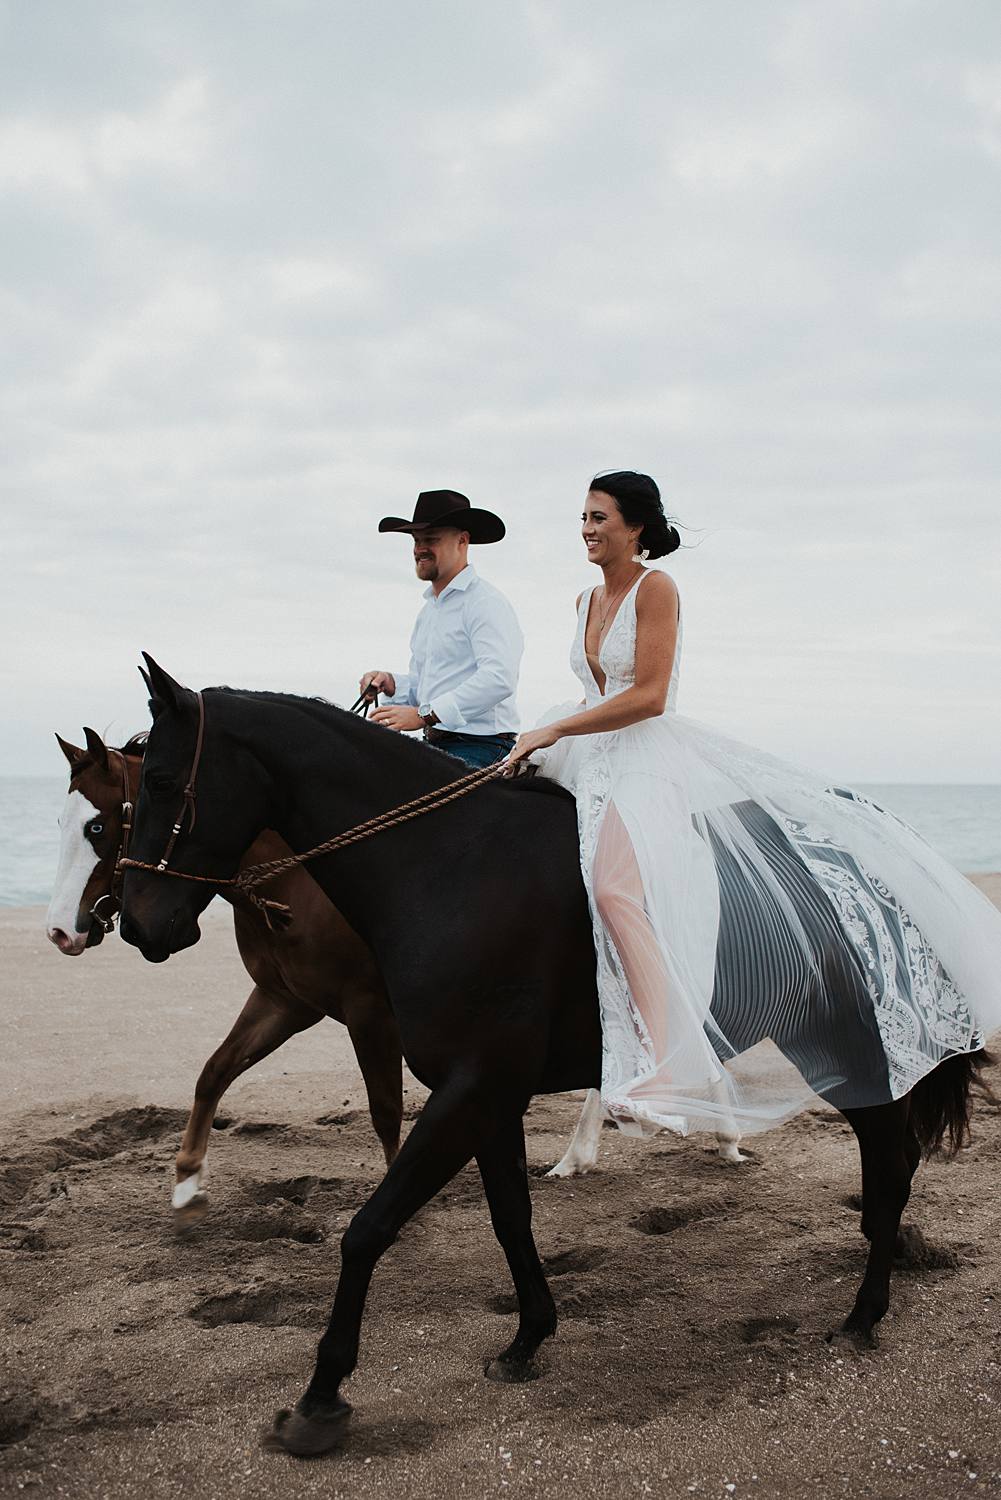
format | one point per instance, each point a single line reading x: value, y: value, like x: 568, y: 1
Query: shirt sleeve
x: 497, y: 644
x: 406, y: 688
x: 408, y: 683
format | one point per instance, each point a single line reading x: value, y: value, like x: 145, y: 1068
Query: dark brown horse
x: 484, y: 941
x: 317, y: 967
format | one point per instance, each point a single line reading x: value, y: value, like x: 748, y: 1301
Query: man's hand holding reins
x: 379, y: 682
x: 397, y: 716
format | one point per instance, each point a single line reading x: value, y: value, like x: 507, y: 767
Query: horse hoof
x: 191, y: 1213
x: 862, y: 1339
x: 569, y: 1169
x: 511, y: 1371
x: 308, y: 1437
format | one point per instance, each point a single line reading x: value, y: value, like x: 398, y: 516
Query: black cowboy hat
x: 448, y: 508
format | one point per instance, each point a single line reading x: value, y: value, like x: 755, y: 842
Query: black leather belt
x: 452, y: 737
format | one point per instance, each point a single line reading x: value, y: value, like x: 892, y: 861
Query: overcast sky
x: 271, y: 267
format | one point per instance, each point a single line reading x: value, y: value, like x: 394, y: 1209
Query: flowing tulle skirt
x: 763, y: 938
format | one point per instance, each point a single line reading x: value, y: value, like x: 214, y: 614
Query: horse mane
x: 271, y: 696
x: 135, y: 746
x: 355, y: 725
x: 405, y: 748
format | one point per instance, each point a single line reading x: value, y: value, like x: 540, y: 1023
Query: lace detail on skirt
x: 799, y: 940
x: 921, y: 1014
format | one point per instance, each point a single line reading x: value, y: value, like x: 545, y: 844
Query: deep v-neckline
x: 587, y: 620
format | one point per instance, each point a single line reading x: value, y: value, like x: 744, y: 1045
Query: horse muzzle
x: 181, y: 931
x: 72, y: 944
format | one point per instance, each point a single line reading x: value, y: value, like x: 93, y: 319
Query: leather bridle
x: 187, y: 796
x: 246, y: 881
x: 106, y: 919
x: 188, y: 805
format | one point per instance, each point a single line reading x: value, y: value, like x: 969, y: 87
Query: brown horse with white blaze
x: 316, y: 967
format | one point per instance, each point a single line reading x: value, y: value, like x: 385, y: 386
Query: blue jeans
x: 476, y: 750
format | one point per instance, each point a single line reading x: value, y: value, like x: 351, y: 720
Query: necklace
x: 604, y: 613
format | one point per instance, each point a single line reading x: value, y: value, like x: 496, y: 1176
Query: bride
x: 852, y: 958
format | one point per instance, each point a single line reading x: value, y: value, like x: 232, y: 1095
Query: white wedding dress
x: 762, y: 937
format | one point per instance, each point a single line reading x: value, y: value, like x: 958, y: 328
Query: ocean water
x: 964, y: 822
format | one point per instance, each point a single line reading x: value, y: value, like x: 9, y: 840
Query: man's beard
x: 429, y: 563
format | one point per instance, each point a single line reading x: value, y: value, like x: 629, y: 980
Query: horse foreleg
x: 582, y: 1153
x: 262, y: 1026
x: 888, y: 1164
x: 376, y: 1041
x: 456, y: 1123
x: 505, y: 1179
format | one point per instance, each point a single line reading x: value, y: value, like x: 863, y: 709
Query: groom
x: 466, y: 646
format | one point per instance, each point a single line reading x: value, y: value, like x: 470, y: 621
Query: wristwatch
x: 427, y: 715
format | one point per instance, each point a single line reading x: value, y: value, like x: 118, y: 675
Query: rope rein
x: 246, y: 881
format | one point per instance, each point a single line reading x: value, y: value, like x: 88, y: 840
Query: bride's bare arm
x: 656, y: 641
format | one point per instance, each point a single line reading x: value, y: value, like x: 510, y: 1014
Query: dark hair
x: 639, y: 502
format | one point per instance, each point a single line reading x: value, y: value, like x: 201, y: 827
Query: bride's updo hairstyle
x: 639, y: 502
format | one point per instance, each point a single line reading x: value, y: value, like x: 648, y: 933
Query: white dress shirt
x: 465, y: 652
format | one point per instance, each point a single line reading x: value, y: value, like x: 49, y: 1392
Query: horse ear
x: 97, y: 748
x: 166, y: 692
x: 145, y: 677
x: 73, y: 753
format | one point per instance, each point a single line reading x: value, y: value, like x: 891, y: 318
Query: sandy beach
x: 694, y: 1299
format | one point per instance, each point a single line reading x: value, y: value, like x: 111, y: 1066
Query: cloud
x: 269, y: 270
x: 171, y: 136
x: 983, y: 90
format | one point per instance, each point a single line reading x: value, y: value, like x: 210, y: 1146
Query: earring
x: 642, y: 557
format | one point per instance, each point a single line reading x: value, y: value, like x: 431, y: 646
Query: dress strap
x: 636, y: 588
x: 629, y: 602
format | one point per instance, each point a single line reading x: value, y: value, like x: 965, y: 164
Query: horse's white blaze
x: 77, y: 862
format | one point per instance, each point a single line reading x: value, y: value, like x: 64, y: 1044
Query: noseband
x: 245, y: 883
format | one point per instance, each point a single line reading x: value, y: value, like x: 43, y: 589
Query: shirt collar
x: 461, y: 581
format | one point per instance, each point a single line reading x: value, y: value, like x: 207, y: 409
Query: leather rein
x: 246, y: 881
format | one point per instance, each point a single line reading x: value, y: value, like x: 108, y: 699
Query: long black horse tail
x: 940, y: 1102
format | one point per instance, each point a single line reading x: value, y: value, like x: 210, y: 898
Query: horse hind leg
x: 886, y: 1146
x: 912, y: 1154
x: 262, y: 1026
x: 505, y: 1180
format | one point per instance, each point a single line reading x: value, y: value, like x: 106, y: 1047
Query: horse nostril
x: 61, y: 939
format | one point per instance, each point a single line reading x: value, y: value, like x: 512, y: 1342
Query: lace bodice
x: 617, y: 653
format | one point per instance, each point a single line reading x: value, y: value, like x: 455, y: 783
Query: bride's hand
x: 535, y: 739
